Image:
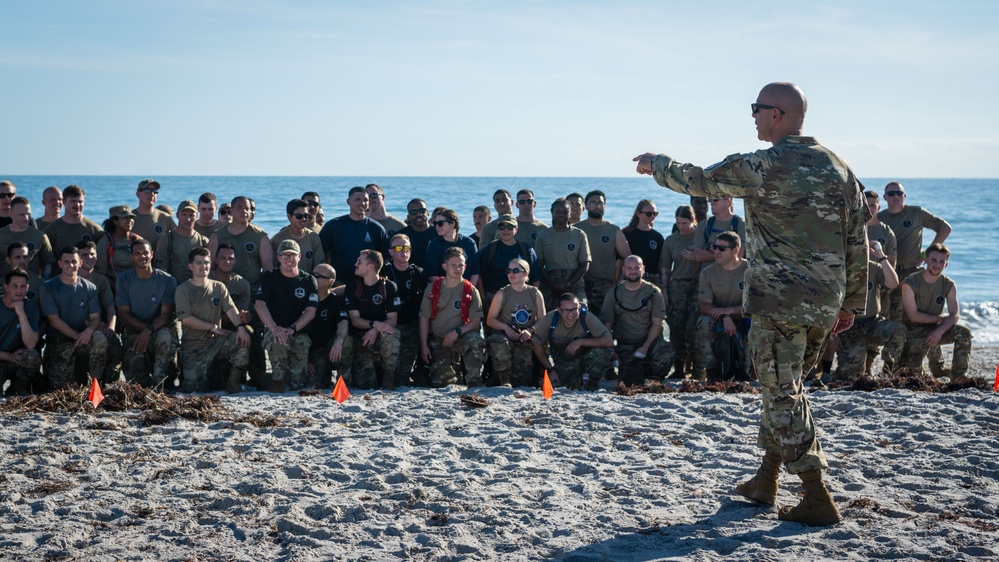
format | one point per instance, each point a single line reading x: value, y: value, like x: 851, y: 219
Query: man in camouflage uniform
x: 73, y: 310
x: 372, y: 304
x: 201, y: 303
x: 719, y: 300
x: 450, y: 318
x: 923, y: 296
x: 145, y: 303
x: 563, y: 253
x: 871, y: 328
x: 286, y: 304
x: 808, y: 261
x: 607, y: 245
x: 331, y: 345
x: 634, y: 311
x: 19, y: 318
x: 559, y: 339
x: 109, y: 312
x: 411, y: 283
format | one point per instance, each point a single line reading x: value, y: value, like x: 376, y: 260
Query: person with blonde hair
x: 514, y: 311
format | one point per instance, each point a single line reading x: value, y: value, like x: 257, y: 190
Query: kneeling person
x: 719, y: 298
x: 566, y: 331
x: 450, y: 318
x: 201, y: 302
x: 372, y: 303
x: 18, y: 334
x: 145, y: 301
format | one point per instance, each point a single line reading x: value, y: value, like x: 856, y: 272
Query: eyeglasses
x: 442, y: 222
x: 314, y: 203
x: 650, y: 214
x: 525, y: 201
x: 320, y: 276
x: 516, y: 270
x: 402, y: 248
x: 758, y: 106
x: 420, y: 211
x: 301, y: 216
x: 7, y: 195
x: 717, y: 200
x: 147, y: 190
x: 375, y: 195
x: 721, y: 248
x: 894, y: 193
x: 569, y: 311
x: 505, y: 227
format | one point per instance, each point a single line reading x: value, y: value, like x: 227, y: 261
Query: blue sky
x: 487, y: 88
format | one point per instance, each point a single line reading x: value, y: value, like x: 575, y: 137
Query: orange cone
x: 340, y: 392
x: 546, y: 387
x: 96, y: 396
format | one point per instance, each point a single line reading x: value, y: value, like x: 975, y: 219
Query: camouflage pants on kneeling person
x: 320, y: 371
x: 855, y: 342
x: 570, y: 370
x: 288, y: 362
x: 916, y: 347
x: 469, y: 348
x: 634, y: 369
x: 513, y: 361
x: 195, y: 360
x: 365, y: 372
x: 25, y: 373
x: 409, y: 352
x: 62, y: 353
x: 151, y: 367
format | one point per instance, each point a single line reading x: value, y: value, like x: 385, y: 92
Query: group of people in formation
x: 204, y: 299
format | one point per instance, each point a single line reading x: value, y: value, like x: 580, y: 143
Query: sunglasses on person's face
x: 224, y: 213
x: 505, y: 227
x: 320, y: 276
x: 721, y: 248
x: 402, y: 248
x: 894, y: 193
x: 515, y: 270
x: 650, y: 214
x: 313, y: 203
x: 525, y: 201
x: 758, y: 106
x: 147, y: 190
x: 442, y: 222
x: 301, y: 216
x: 7, y: 195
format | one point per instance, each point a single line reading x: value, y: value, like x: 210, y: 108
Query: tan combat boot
x: 234, y: 384
x: 816, y: 508
x: 763, y: 487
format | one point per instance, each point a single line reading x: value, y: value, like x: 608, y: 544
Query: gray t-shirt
x: 10, y: 326
x: 145, y: 296
x: 73, y: 304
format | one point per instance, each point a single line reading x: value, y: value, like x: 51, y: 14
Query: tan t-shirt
x: 930, y: 298
x: 520, y: 310
x: 632, y: 313
x: 528, y: 231
x: 562, y: 336
x: 679, y: 268
x: 240, y: 291
x: 247, y: 244
x: 449, y: 309
x: 39, y: 248
x: 602, y: 240
x: 172, y: 251
x: 206, y: 303
x: 62, y: 234
x: 312, y: 248
x: 562, y: 250
x: 720, y: 287
x: 153, y: 226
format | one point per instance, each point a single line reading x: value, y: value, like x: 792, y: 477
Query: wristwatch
x: 371, y: 323
x: 294, y: 329
x: 883, y: 258
x: 458, y: 330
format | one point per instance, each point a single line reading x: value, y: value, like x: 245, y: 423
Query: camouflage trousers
x: 364, y: 371
x: 320, y: 371
x: 197, y: 359
x: 27, y: 371
x: 288, y: 362
x: 707, y: 330
x: 559, y: 276
x: 916, y: 347
x: 781, y: 352
x: 409, y: 352
x: 152, y: 367
x: 681, y: 316
x: 513, y: 361
x: 656, y: 363
x: 596, y: 292
x: 446, y: 362
x: 865, y: 333
x: 116, y: 353
x: 61, y: 355
x: 589, y: 360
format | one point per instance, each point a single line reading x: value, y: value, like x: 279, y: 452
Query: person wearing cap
x: 114, y: 249
x: 145, y: 303
x: 286, y: 304
x: 297, y: 230
x: 373, y: 304
x: 72, y: 227
x: 151, y: 223
x: 225, y: 216
x: 503, y: 204
x: 175, y: 246
x: 494, y: 258
x: 40, y: 257
x: 201, y: 304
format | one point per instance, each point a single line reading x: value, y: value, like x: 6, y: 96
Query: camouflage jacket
x: 805, y: 227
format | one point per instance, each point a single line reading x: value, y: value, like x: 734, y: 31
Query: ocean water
x: 969, y: 205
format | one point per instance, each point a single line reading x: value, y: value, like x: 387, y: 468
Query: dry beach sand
x: 415, y: 474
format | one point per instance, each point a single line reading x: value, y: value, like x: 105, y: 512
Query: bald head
x: 781, y: 111
x: 788, y: 97
x: 326, y: 270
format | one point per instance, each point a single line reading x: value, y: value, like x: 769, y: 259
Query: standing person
x: 40, y: 257
x: 201, y: 303
x: 450, y: 318
x: 528, y: 227
x: 679, y: 272
x: 644, y: 241
x: 411, y: 282
x: 52, y: 200
x: 286, y: 303
x: 207, y: 224
x: 808, y: 252
x: 447, y: 224
x: 608, y: 247
x: 8, y: 191
x: 150, y: 222
x: 563, y: 257
x: 254, y: 253
x: 225, y: 216
x: 480, y: 218
x: 503, y: 204
x: 114, y: 249
x: 377, y: 211
x: 315, y: 221
x: 345, y: 236
x: 560, y: 339
x: 494, y: 261
x: 74, y: 315
x: 372, y: 304
x: 145, y: 302
x: 175, y: 246
x: 514, y: 311
x: 297, y: 230
x: 722, y: 219
x: 73, y: 227
x: 634, y: 311
x: 575, y: 201
x: 719, y: 301
x: 109, y: 312
x: 418, y: 231
x: 18, y: 258
x: 19, y: 326
x: 923, y: 296
x: 331, y: 347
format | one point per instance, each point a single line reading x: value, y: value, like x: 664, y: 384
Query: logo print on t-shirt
x: 571, y: 247
x: 308, y: 255
x: 534, y: 236
x: 882, y: 241
x: 605, y: 239
x: 86, y: 238
x: 324, y: 314
x: 152, y: 299
x: 377, y: 298
x: 249, y: 247
x: 158, y: 228
x: 216, y: 301
x: 907, y: 224
x: 299, y: 293
x: 741, y: 285
x: 940, y: 299
x: 30, y: 296
x: 521, y: 316
x: 31, y: 247
x: 653, y: 244
x: 456, y: 304
x: 870, y: 286
x: 367, y: 237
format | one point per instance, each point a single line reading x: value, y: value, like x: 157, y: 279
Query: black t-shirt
x: 329, y: 313
x: 372, y: 303
x: 411, y: 285
x: 494, y: 273
x: 287, y: 297
x: 343, y: 238
x: 648, y: 245
x: 419, y: 241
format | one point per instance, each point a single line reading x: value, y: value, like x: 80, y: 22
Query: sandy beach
x: 414, y: 474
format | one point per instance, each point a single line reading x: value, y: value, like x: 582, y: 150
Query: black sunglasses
x: 525, y: 201
x: 721, y: 248
x: 420, y: 211
x: 515, y: 270
x: 314, y: 203
x: 224, y: 213
x: 320, y: 276
x: 442, y: 222
x: 650, y: 214
x: 895, y: 193
x: 301, y: 216
x: 7, y: 195
x: 505, y: 227
x: 758, y: 106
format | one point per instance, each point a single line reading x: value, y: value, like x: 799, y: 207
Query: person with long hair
x: 514, y: 311
x: 679, y: 271
x: 645, y: 241
x: 114, y: 249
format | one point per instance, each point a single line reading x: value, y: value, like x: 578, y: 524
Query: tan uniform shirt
x: 449, y: 309
x: 632, y: 313
x: 562, y: 250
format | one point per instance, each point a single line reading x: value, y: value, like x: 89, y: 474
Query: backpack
x: 466, y: 298
x: 709, y: 228
x: 555, y: 319
x: 730, y: 351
